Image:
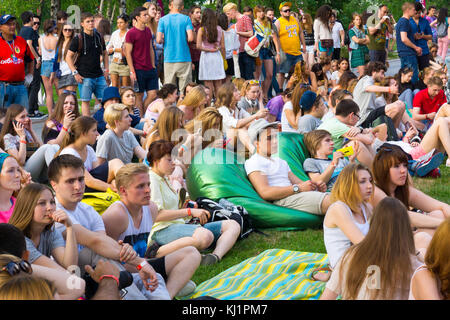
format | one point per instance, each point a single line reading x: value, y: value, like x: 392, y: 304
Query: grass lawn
x: 307, y: 240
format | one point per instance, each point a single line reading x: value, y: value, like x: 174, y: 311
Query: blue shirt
x: 423, y: 26
x: 174, y: 27
x: 403, y: 50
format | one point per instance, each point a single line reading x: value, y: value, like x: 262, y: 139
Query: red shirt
x: 195, y: 53
x: 427, y: 105
x: 243, y: 24
x: 141, y: 41
x: 13, y: 57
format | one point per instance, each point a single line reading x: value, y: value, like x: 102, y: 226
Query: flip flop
x: 317, y: 270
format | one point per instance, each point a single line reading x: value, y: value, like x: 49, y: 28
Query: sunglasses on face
x: 14, y: 268
x: 36, y: 23
x: 287, y: 10
x: 67, y: 30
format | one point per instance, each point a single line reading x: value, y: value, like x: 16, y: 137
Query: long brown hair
x: 297, y: 93
x: 26, y: 202
x: 78, y: 127
x: 58, y: 111
x: 389, y: 245
x: 209, y: 25
x: 11, y: 113
x: 60, y: 42
x: 308, y: 26
x: 209, y: 118
x: 437, y: 258
x: 388, y: 157
x: 225, y: 95
x: 168, y: 121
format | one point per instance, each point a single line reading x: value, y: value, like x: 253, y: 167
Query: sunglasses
x: 36, y: 23
x: 287, y: 10
x: 14, y: 268
x: 68, y: 30
x: 70, y: 92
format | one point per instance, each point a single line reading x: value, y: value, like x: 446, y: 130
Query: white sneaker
x: 187, y: 289
x: 447, y: 164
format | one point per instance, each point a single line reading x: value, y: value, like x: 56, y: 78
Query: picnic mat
x: 274, y: 274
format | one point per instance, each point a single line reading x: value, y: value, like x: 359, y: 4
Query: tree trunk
x: 108, y: 9
x: 123, y: 6
x: 219, y: 5
x: 111, y: 18
x: 100, y: 7
x: 54, y: 8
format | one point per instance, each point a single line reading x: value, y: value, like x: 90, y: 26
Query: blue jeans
x: 12, y: 94
x: 407, y: 97
x: 411, y: 61
x: 92, y: 85
x: 179, y: 230
x: 290, y: 61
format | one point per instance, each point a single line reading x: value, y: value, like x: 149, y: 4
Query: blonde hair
x: 113, y: 113
x: 238, y: 82
x: 229, y: 6
x: 209, y: 117
x: 168, y: 121
x: 194, y: 98
x: 26, y: 202
x: 126, y: 174
x: 153, y: 25
x: 346, y: 187
x: 23, y: 286
x: 247, y: 85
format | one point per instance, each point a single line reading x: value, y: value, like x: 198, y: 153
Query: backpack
x: 441, y: 29
x: 80, y: 45
x: 226, y: 210
x: 100, y: 201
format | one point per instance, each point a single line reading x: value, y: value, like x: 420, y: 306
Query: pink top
x: 5, y: 215
x: 216, y: 44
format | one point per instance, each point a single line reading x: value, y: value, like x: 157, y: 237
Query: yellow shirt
x: 165, y: 198
x: 289, y: 36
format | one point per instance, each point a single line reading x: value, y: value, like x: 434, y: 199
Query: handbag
x: 253, y: 45
x: 272, y: 48
x: 326, y: 43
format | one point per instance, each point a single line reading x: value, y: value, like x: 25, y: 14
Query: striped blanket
x: 274, y: 274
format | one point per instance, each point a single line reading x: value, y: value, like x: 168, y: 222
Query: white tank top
x: 336, y: 242
x: 422, y: 267
x: 137, y: 238
x: 46, y: 54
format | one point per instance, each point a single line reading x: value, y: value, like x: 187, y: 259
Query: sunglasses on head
x: 70, y: 92
x: 14, y: 268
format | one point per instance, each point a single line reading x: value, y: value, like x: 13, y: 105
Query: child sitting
x: 312, y: 110
x: 320, y: 168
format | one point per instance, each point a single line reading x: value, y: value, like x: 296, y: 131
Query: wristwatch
x: 296, y: 188
x: 74, y: 72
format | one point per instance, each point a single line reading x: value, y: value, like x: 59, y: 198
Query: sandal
x: 317, y: 270
x: 209, y: 259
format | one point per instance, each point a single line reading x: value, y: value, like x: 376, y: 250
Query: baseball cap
x: 5, y: 18
x: 258, y: 126
x: 285, y: 4
x: 307, y: 100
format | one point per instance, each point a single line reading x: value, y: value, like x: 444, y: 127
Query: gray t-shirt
x: 320, y: 165
x: 110, y: 146
x: 50, y: 240
x: 308, y: 123
x: 364, y: 99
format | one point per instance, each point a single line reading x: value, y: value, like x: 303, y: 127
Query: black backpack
x: 226, y: 210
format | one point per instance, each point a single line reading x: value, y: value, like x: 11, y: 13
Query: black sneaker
x: 37, y: 115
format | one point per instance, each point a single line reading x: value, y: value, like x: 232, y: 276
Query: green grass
x: 307, y: 240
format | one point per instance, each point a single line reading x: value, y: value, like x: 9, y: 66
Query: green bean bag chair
x: 218, y: 173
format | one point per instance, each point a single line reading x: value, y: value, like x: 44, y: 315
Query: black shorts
x: 423, y: 61
x: 101, y: 173
x: 147, y: 80
x: 230, y: 69
x: 159, y: 264
x: 373, y: 115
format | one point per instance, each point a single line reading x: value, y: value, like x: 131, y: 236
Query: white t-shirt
x: 90, y: 159
x: 84, y: 215
x: 335, y: 76
x: 230, y: 119
x: 336, y: 36
x: 285, y: 126
x: 364, y: 99
x: 276, y: 169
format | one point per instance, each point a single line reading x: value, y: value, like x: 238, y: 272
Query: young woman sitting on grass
x: 387, y: 254
x: 83, y: 133
x: 390, y: 172
x: 320, y: 168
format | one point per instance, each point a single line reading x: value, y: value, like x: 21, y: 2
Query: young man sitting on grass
x: 272, y: 178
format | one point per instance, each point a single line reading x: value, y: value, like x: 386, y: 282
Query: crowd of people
x: 134, y: 107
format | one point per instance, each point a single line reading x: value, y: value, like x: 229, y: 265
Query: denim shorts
x: 90, y: 86
x: 46, y: 68
x: 290, y: 61
x: 13, y: 94
x: 265, y: 54
x: 178, y: 230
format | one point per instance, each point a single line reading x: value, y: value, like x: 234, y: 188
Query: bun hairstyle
x: 165, y: 90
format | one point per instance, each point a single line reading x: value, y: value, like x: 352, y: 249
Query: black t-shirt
x: 88, y: 63
x: 29, y: 34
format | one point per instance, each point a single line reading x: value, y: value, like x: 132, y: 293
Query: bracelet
x: 65, y: 129
x: 23, y: 141
x: 189, y: 212
x: 141, y: 265
x: 184, y: 147
x: 111, y: 277
x: 389, y: 89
